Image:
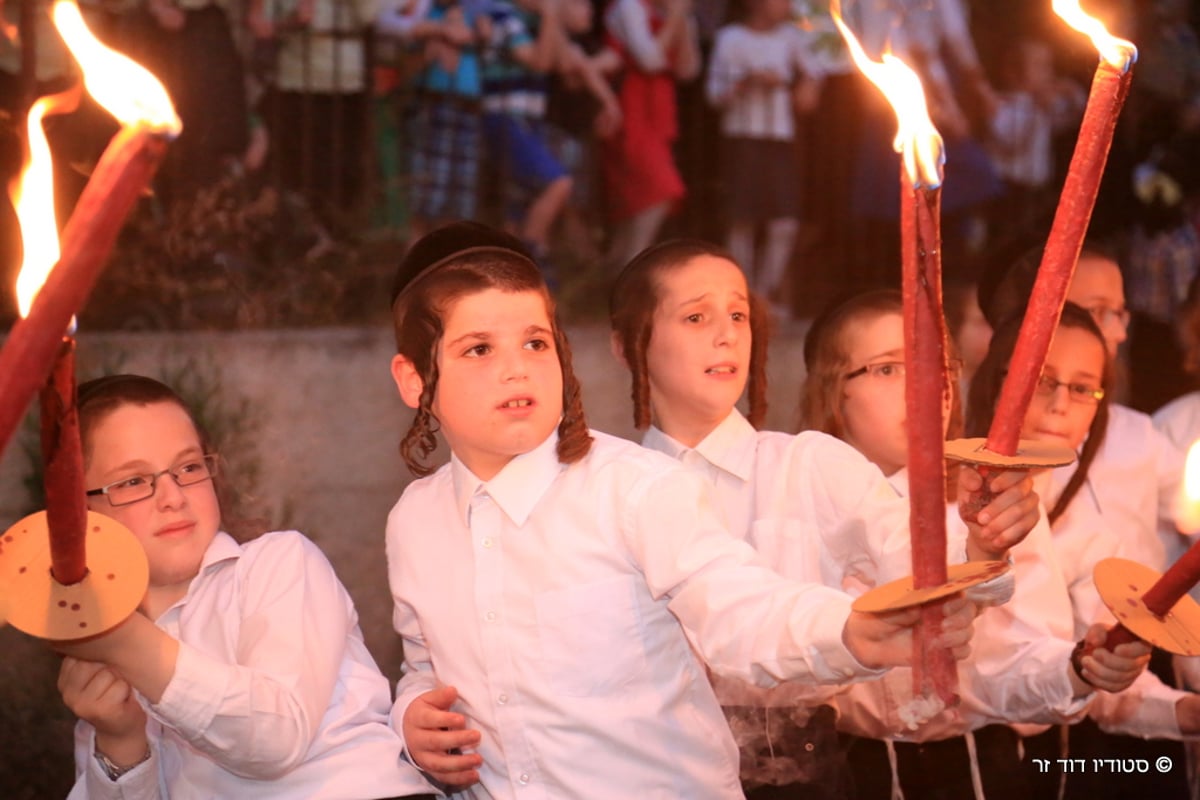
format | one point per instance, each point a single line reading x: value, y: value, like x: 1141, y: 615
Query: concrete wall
x: 328, y: 421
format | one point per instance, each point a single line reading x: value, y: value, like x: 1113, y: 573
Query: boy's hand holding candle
x: 1108, y: 670
x: 885, y: 639
x: 1008, y: 517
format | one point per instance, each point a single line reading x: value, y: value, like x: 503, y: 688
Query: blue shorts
x: 522, y: 154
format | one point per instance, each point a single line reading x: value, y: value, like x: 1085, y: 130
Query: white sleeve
x: 258, y: 717
x: 716, y: 583
x: 91, y: 782
x: 629, y: 23
x: 723, y: 75
x: 1146, y: 709
x: 863, y: 522
x: 1020, y: 651
x: 418, y: 675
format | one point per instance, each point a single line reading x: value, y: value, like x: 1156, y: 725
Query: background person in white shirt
x: 1070, y: 407
x: 553, y: 586
x: 1020, y: 668
x: 243, y: 672
x: 761, y: 75
x: 1132, y: 448
x: 694, y: 338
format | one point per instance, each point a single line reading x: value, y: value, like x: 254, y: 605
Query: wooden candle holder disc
x: 900, y: 593
x: 1030, y: 454
x: 1121, y: 584
x: 40, y: 606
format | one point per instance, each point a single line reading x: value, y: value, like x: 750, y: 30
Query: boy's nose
x: 727, y: 332
x: 168, y: 493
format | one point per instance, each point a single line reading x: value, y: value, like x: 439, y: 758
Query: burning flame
x: 917, y: 140
x: 33, y: 199
x: 123, y: 87
x: 1117, y: 52
x: 126, y: 90
x: 1187, y: 518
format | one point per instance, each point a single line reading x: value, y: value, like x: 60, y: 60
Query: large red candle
x: 123, y: 172
x: 1109, y: 88
x: 920, y: 147
x: 925, y: 389
x: 62, y: 461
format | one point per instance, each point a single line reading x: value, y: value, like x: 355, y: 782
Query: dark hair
x: 1004, y: 293
x: 634, y: 299
x: 447, y: 264
x: 989, y: 379
x: 98, y: 398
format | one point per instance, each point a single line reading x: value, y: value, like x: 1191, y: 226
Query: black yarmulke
x: 442, y: 243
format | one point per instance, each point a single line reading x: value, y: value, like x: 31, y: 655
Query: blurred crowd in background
x: 594, y: 128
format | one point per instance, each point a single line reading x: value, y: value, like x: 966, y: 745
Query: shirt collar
x: 516, y: 488
x: 729, y: 447
x: 222, y: 548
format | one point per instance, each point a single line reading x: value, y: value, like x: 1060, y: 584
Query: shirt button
x: 487, y: 542
x: 523, y: 778
x: 490, y: 616
x: 502, y: 699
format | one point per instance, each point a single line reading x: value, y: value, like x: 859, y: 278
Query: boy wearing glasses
x: 243, y: 672
x: 1132, y: 447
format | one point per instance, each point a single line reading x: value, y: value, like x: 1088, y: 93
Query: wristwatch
x: 113, y: 771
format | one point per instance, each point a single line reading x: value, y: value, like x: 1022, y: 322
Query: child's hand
x: 1187, y: 714
x: 99, y: 696
x: 885, y: 640
x: 1009, y: 515
x: 433, y: 734
x: 1110, y: 671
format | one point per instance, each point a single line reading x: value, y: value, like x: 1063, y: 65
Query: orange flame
x: 123, y: 87
x: 917, y: 140
x: 125, y: 90
x: 1118, y: 53
x: 33, y: 199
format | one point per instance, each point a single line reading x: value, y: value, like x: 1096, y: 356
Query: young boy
x: 553, y: 585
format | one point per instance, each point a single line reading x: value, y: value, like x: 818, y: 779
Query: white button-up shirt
x: 1017, y: 669
x: 570, y: 636
x: 274, y: 693
x: 837, y: 504
x: 814, y: 507
x: 1083, y: 536
x: 1139, y: 472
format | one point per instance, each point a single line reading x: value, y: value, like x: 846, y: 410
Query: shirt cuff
x: 140, y: 782
x: 830, y: 659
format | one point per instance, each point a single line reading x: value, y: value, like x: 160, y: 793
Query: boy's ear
x: 408, y: 381
x: 614, y: 344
